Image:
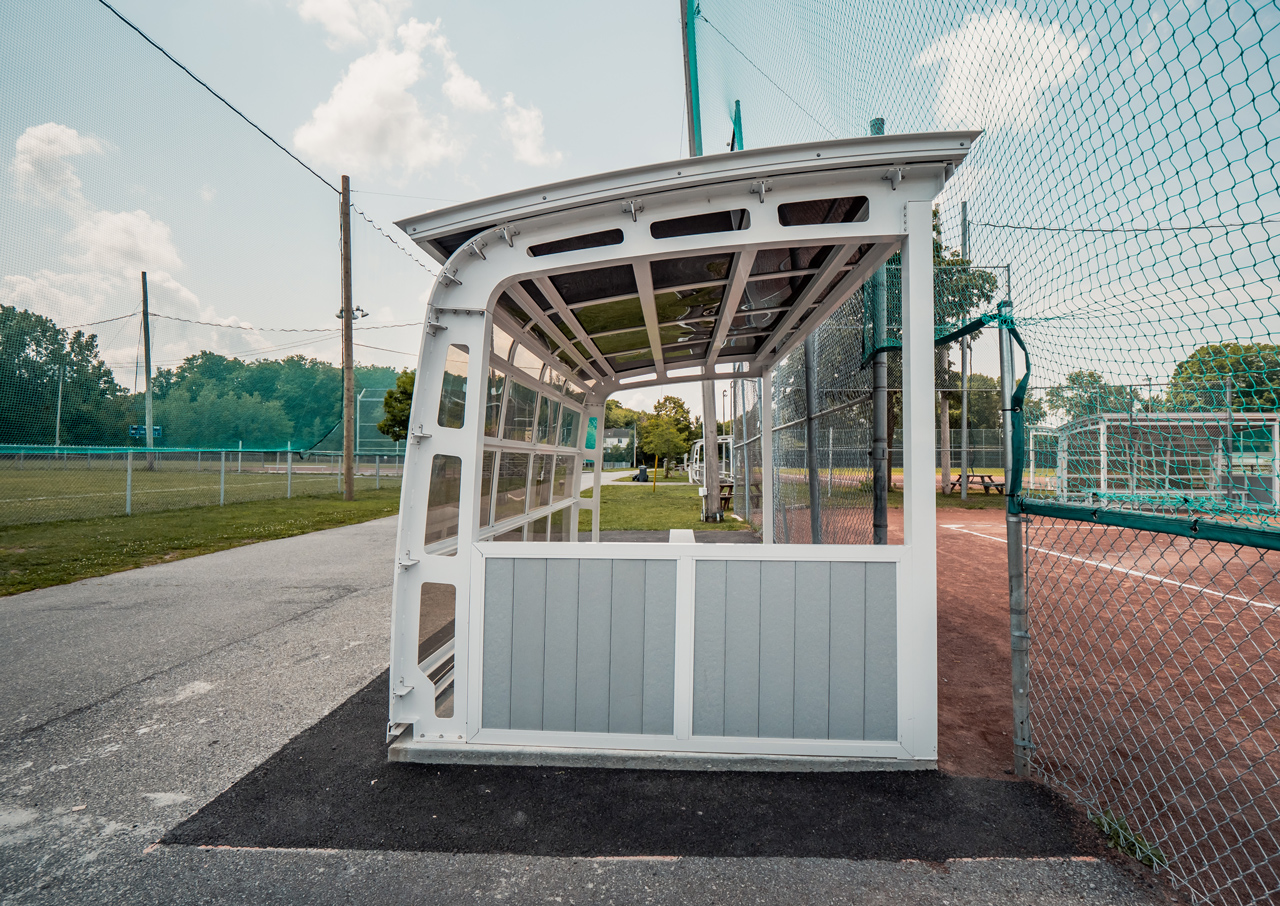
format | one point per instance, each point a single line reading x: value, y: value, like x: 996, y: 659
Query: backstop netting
x: 114, y: 161
x: 1125, y: 185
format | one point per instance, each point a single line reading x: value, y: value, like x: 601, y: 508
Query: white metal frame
x: 900, y: 175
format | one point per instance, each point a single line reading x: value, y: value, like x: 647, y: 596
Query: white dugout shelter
x: 562, y: 650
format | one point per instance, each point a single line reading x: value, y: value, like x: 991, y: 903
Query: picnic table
x: 988, y: 483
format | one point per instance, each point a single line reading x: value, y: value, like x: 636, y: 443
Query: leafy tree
x: 674, y: 408
x: 1250, y: 370
x: 1086, y: 393
x: 33, y: 352
x: 396, y: 405
x: 662, y: 440
x: 617, y: 415
x: 222, y: 419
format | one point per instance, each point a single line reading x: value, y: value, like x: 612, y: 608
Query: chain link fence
x: 43, y: 484
x: 1155, y: 694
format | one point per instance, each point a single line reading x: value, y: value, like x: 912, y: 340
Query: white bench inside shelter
x: 514, y: 639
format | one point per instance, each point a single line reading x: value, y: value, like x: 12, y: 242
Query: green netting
x: 1123, y: 195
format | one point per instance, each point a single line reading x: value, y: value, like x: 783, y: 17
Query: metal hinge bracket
x: 450, y: 277
x: 633, y: 207
x: 477, y: 248
x: 405, y: 560
x: 760, y: 186
x: 508, y: 233
x: 894, y: 176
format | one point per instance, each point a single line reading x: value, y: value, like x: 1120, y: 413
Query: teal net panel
x: 1124, y: 190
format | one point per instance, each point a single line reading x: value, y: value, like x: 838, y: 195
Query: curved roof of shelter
x: 669, y: 272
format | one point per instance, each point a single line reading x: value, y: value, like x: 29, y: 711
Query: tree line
x: 209, y: 400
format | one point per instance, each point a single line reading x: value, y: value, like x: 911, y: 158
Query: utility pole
x: 348, y: 363
x: 146, y: 352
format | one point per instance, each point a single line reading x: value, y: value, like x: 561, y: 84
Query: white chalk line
x: 1111, y: 567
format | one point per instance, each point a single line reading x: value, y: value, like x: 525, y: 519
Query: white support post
x: 1275, y: 464
x: 128, y: 484
x: 288, y: 467
x: 766, y: 457
x: 377, y: 473
x: 918, y: 597
x: 1102, y: 456
x: 222, y: 479
x: 1032, y: 453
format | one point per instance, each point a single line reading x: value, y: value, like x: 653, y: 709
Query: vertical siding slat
x: 560, y: 672
x: 848, y: 650
x: 708, y: 647
x: 882, y: 652
x: 499, y: 586
x: 813, y: 649
x: 659, y: 647
x: 595, y: 594
x: 626, y: 648
x: 528, y: 634
x: 778, y: 596
x: 742, y: 649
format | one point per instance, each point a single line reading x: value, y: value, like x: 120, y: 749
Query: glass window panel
x: 613, y: 315
x: 631, y: 361
x: 548, y: 419
x: 574, y: 243
x: 443, y: 495
x: 538, y: 530
x: 493, y: 402
x: 775, y: 261
x: 512, y: 491
x: 597, y: 283
x: 712, y: 222
x: 543, y: 338
x: 535, y: 294
x: 522, y: 403
x: 592, y: 425
x: 511, y: 307
x: 543, y: 471
x: 694, y: 269
x: 574, y: 392
x: 689, y: 303
x: 527, y: 362
x: 560, y: 484
x: 769, y: 293
x: 558, y: 530
x: 513, y: 535
x: 486, y: 486
x: 501, y: 343
x: 687, y: 332
x: 569, y: 421
x: 453, y: 392
x: 622, y: 342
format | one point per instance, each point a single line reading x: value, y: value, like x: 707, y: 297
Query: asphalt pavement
x: 133, y: 701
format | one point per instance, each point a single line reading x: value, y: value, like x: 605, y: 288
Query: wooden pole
x: 348, y: 362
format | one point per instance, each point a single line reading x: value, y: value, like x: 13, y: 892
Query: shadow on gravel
x: 331, y: 787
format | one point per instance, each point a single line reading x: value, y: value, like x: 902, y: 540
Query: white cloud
x: 354, y: 21
x: 372, y: 122
x: 207, y: 192
x: 41, y: 166
x: 998, y: 70
x: 462, y: 90
x: 102, y: 253
x: 523, y: 127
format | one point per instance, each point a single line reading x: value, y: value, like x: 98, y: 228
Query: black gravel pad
x: 332, y: 787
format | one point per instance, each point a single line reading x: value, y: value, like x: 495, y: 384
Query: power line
x: 394, y: 195
x: 206, y: 87
x: 282, y: 329
x: 384, y: 349
x: 390, y: 239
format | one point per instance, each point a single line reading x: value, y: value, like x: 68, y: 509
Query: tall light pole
x: 146, y: 352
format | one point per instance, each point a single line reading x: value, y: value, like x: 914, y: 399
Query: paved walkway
x: 133, y: 700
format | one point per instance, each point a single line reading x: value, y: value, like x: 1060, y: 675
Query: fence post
x: 239, y: 457
x: 222, y: 480
x: 377, y: 473
x: 288, y: 468
x: 128, y: 483
x: 1019, y: 637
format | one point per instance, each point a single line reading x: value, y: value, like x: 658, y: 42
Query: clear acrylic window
x: 453, y: 392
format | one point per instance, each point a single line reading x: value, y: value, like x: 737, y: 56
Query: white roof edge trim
x: 839, y: 154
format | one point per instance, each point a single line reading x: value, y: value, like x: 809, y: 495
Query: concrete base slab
x: 406, y: 750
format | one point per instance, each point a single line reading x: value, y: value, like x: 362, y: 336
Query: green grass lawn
x: 641, y: 507
x: 53, y: 553
x: 50, y: 491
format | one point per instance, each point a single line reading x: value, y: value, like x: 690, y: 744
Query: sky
x: 113, y: 161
